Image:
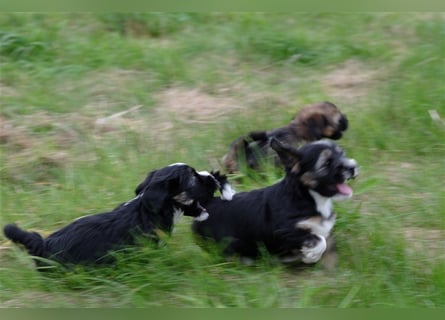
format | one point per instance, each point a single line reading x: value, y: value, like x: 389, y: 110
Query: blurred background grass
x: 191, y: 83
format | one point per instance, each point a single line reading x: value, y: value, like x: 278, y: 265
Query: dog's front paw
x: 313, y: 249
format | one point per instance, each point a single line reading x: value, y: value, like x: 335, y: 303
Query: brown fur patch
x: 308, y: 223
x: 183, y: 198
x: 328, y: 131
x: 320, y: 108
x: 308, y: 180
x: 316, y: 120
x: 296, y: 168
x: 230, y: 160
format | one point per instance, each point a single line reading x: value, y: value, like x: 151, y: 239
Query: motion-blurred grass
x: 192, y: 83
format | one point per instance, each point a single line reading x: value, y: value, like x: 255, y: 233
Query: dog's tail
x: 32, y: 241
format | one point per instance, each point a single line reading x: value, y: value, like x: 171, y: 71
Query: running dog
x: 312, y: 123
x: 294, y: 218
x: 165, y: 194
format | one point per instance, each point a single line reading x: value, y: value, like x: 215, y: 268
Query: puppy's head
x: 182, y: 187
x: 320, y: 120
x: 321, y: 166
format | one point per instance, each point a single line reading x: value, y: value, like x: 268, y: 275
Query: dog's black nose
x: 350, y: 168
x: 353, y: 171
x: 343, y: 123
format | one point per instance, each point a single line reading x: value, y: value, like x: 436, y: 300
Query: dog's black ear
x: 289, y: 156
x: 159, y: 186
x: 155, y: 196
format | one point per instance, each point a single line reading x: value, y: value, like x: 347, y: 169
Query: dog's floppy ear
x: 155, y: 196
x: 159, y: 186
x: 289, y: 156
x: 316, y: 124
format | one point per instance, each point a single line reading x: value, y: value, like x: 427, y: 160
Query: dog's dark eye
x: 328, y: 163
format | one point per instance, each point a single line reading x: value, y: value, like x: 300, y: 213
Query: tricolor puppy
x: 293, y: 218
x: 313, y: 122
x: 171, y: 191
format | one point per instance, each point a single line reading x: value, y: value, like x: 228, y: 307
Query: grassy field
x: 191, y: 83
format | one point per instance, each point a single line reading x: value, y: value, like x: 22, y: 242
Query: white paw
x: 202, y: 217
x: 313, y: 252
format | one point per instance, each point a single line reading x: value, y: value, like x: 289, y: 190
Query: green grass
x: 201, y: 81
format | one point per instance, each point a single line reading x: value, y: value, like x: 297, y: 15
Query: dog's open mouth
x: 344, y: 189
x: 350, y: 173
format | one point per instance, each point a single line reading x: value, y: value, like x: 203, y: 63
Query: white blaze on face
x: 351, y: 163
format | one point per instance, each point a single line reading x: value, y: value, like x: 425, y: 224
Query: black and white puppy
x: 171, y: 191
x: 293, y: 218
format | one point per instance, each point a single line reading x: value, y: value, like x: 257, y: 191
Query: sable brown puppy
x: 312, y: 123
x: 165, y: 194
x: 293, y: 218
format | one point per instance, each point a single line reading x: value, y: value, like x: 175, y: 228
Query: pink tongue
x: 344, y: 189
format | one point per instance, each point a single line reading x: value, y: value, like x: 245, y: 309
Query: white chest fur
x: 320, y: 225
x: 323, y: 204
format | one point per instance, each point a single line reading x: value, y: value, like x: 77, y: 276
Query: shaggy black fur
x: 169, y: 191
x: 293, y: 218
